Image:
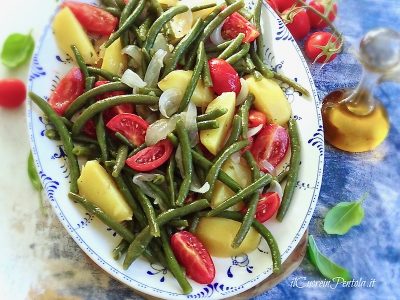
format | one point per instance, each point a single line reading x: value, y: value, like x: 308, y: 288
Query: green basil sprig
x: 17, y: 50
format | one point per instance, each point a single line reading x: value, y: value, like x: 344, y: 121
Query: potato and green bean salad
x: 182, y: 127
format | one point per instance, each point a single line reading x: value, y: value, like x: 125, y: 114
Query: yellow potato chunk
x: 168, y: 2
x: 204, y: 13
x: 213, y: 139
x: 270, y: 100
x: 97, y: 186
x: 114, y: 60
x: 241, y: 173
x: 68, y: 31
x: 217, y: 235
x: 180, y: 79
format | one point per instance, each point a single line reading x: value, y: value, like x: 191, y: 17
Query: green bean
x: 220, y: 47
x: 84, y: 150
x: 244, y: 113
x: 158, y: 10
x: 215, y: 169
x: 249, y: 62
x: 235, y: 133
x: 282, y: 176
x: 265, y: 233
x: 122, y: 154
x: 252, y: 206
x: 52, y: 134
x: 103, y: 73
x: 182, y: 47
x: 85, y: 97
x: 195, y: 222
x: 231, y: 49
x: 186, y: 161
x: 293, y: 170
x: 257, y: 22
x: 159, y: 179
x: 206, y: 74
x: 238, y: 56
x: 244, y: 12
x: 116, y: 12
x: 148, y: 90
x: 89, y: 83
x: 144, y: 29
x: 170, y: 180
x: 206, y: 125
x: 109, y: 3
x: 257, y: 75
x: 179, y: 223
x: 160, y: 22
x: 127, y: 11
x: 195, y: 78
x: 124, y: 140
x: 65, y: 138
x: 121, y: 248
x: 121, y: 4
x: 212, y: 115
x: 101, y: 137
x: 126, y: 24
x: 162, y: 197
x: 84, y: 139
x: 140, y: 243
x: 204, y: 6
x: 243, y: 194
x: 104, y: 217
x: 296, y: 86
x: 102, y: 105
x: 173, y: 264
x: 137, y: 150
x: 147, y: 208
x: 80, y: 61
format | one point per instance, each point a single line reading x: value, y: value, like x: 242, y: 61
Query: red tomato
x: 270, y: 146
x: 256, y: 118
x: 12, y: 93
x: 70, y: 87
x: 284, y: 4
x: 236, y: 24
x: 130, y: 126
x: 151, y: 157
x: 193, y: 256
x: 321, y: 6
x: 321, y: 47
x: 266, y: 207
x: 224, y: 77
x: 296, y: 20
x: 115, y: 110
x: 273, y: 5
x: 92, y: 18
x: 90, y: 129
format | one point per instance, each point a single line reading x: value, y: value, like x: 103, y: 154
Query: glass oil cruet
x: 354, y: 120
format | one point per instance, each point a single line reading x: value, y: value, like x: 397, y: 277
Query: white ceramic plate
x: 234, y: 275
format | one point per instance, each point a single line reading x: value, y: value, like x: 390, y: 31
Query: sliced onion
x: 201, y: 190
x: 191, y: 124
x: 216, y: 36
x: 179, y: 160
x: 159, y: 130
x: 265, y: 164
x: 162, y: 43
x: 140, y: 180
x: 132, y: 79
x: 235, y: 157
x: 253, y: 131
x: 244, y: 92
x: 135, y: 53
x: 169, y: 102
x: 154, y: 68
x: 276, y: 187
x: 182, y: 23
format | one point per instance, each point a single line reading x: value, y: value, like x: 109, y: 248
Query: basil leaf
x: 17, y: 50
x: 33, y: 175
x: 341, y: 218
x: 328, y: 268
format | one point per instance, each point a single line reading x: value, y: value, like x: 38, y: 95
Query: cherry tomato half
x: 236, y: 24
x: 296, y: 20
x: 270, y: 146
x: 92, y: 18
x: 130, y: 126
x: 193, y: 256
x: 284, y: 4
x: 321, y: 5
x: 12, y: 93
x: 224, y: 77
x: 70, y: 87
x: 151, y: 157
x: 321, y: 47
x: 256, y: 118
x: 273, y: 5
x: 266, y: 207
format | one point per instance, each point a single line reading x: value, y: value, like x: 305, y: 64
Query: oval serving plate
x: 234, y: 275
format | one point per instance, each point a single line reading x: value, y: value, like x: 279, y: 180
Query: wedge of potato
x: 68, y: 31
x: 97, y: 186
x: 270, y: 99
x: 217, y: 235
x: 114, y: 60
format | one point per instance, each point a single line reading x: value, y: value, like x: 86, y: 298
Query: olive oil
x: 352, y: 127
